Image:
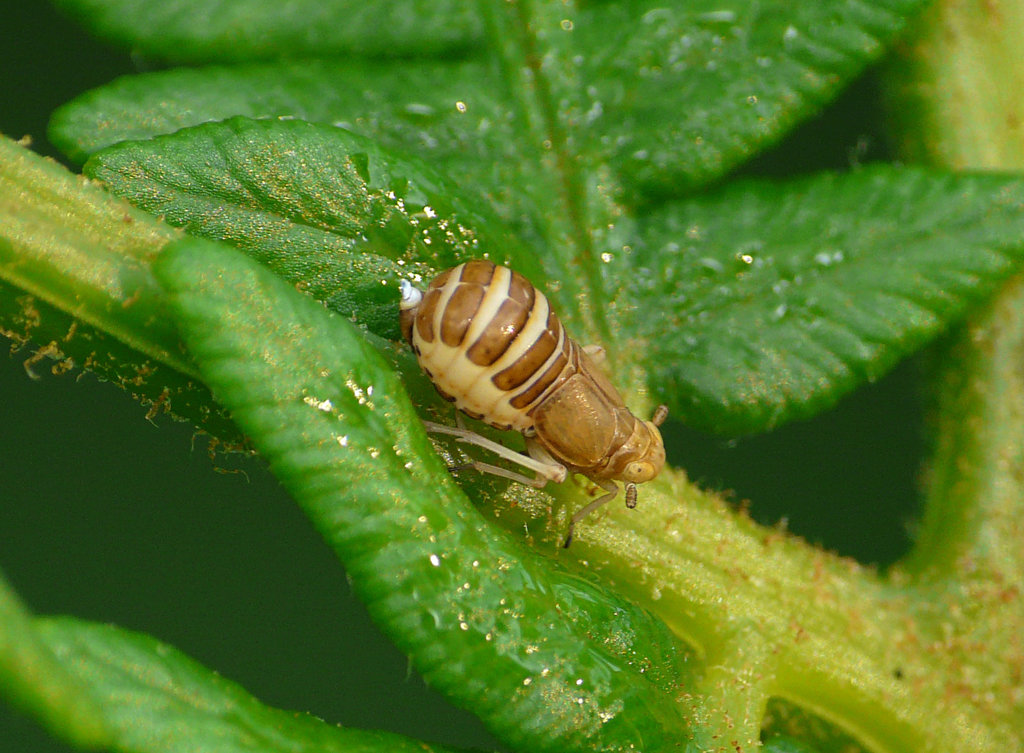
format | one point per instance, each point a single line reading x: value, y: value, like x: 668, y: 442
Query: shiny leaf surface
x: 777, y: 298
x: 325, y: 208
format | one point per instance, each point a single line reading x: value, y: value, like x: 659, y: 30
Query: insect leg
x: 613, y: 491
x: 546, y: 471
x: 496, y: 470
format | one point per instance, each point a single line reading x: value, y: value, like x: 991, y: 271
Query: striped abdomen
x: 490, y: 342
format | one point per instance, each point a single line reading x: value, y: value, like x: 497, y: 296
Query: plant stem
x: 76, y: 247
x: 954, y: 90
x: 839, y: 641
x: 954, y: 87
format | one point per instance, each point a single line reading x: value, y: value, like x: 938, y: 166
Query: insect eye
x: 638, y: 472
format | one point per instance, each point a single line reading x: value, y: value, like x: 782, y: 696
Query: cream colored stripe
x: 535, y: 325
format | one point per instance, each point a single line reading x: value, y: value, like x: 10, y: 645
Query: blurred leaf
x: 153, y: 699
x: 746, y: 74
x: 325, y: 208
x: 202, y: 30
x: 676, y: 95
x: 35, y: 680
x: 547, y: 659
x: 775, y: 299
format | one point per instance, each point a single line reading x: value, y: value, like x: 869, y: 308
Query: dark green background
x: 110, y: 517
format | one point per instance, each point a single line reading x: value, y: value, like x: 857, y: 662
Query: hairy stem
x: 78, y: 248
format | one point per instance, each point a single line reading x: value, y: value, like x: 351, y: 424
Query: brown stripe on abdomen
x: 540, y: 384
x: 492, y: 342
x: 520, y: 289
x: 561, y: 367
x: 477, y: 272
x: 533, y: 359
x: 507, y: 324
x: 458, y: 314
x: 499, y: 334
x: 425, y: 314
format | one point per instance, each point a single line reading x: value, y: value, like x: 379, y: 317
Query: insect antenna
x: 631, y: 496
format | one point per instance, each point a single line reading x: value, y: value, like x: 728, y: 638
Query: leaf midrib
x: 579, y: 270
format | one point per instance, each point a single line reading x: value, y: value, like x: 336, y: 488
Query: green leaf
x: 676, y: 95
x: 778, y: 298
x: 156, y: 700
x: 547, y: 659
x: 448, y: 113
x: 322, y: 207
x: 200, y: 30
x: 33, y: 678
x: 746, y: 74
